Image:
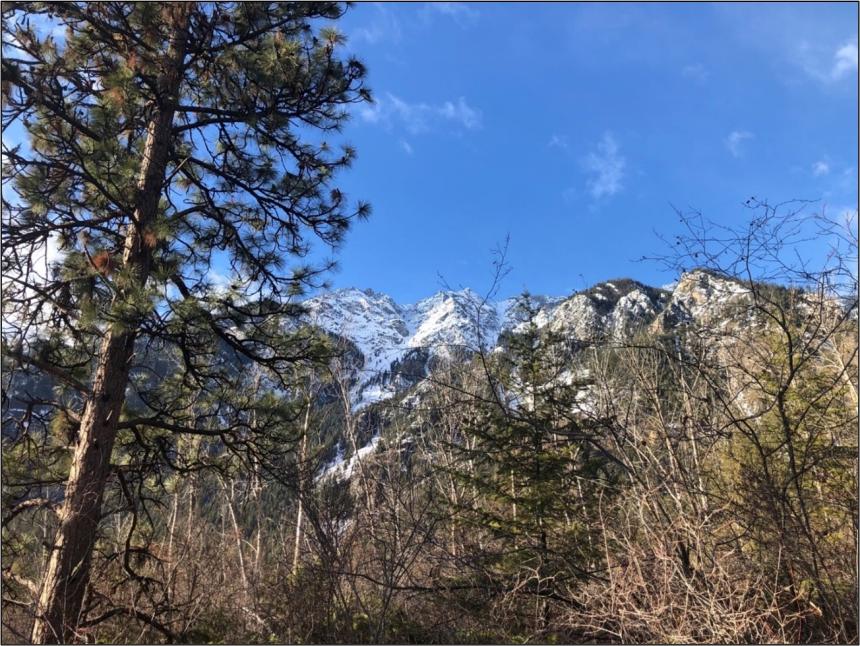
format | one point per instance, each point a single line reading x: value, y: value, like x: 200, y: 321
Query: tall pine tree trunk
x: 68, y: 569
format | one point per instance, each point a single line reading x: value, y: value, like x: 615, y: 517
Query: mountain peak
x: 450, y: 321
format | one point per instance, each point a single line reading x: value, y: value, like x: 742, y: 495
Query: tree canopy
x: 158, y: 146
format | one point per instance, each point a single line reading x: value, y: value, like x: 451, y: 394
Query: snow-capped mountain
x: 609, y: 310
x: 388, y: 334
x: 385, y: 332
x: 399, y: 343
x: 701, y: 296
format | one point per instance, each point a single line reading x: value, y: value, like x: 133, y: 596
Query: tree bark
x: 302, y: 466
x: 237, y: 534
x: 68, y: 569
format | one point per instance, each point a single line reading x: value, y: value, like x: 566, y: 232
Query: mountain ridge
x: 451, y: 322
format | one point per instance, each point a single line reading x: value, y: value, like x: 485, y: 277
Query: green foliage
x: 526, y: 454
x: 166, y: 144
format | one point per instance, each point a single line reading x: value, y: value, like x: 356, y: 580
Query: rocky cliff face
x: 701, y: 296
x: 399, y: 343
x: 401, y: 340
x: 613, y: 310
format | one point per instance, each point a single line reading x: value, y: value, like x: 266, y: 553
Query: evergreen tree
x: 534, y: 461
x: 164, y: 141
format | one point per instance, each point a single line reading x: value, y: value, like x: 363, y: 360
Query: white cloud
x: 461, y: 12
x: 421, y: 117
x: 819, y: 44
x: 844, y: 61
x: 735, y: 140
x: 696, y: 72
x: 558, y: 141
x: 372, y: 113
x: 820, y: 168
x: 384, y: 28
x: 413, y: 115
x: 606, y: 166
x: 406, y: 147
x: 462, y: 112
x: 826, y: 63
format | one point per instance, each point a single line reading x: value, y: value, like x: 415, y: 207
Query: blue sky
x: 574, y: 128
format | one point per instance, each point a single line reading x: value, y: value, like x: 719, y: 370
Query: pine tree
x: 534, y: 462
x: 164, y: 141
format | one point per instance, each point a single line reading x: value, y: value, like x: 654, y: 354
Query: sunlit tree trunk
x: 68, y: 568
x: 302, y: 493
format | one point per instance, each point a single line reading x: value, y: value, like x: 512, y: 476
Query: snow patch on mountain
x: 451, y: 321
x: 702, y: 296
x: 399, y: 344
x: 372, y: 321
x: 386, y: 332
x: 342, y: 468
x: 390, y: 335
